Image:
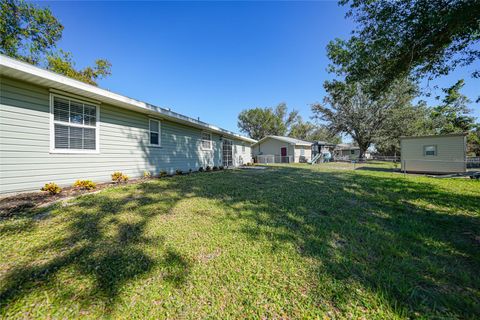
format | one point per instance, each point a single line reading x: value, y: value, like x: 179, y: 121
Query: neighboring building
x: 348, y: 151
x: 434, y: 154
x: 278, y: 149
x: 322, y: 147
x: 54, y: 128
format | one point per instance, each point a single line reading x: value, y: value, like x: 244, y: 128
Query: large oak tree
x: 396, y: 39
x: 349, y: 108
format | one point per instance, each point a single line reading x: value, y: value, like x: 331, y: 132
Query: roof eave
x: 23, y: 71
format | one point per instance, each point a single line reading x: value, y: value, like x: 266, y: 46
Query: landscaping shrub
x: 178, y: 172
x: 189, y: 170
x: 52, y: 188
x: 208, y: 168
x: 163, y: 173
x: 119, y: 177
x: 221, y: 167
x: 147, y: 174
x: 85, y: 184
x: 200, y: 169
x: 215, y: 168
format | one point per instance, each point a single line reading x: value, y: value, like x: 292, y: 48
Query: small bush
x: 85, y: 184
x: 208, y: 168
x: 147, y: 174
x: 52, y: 188
x: 200, y: 169
x: 189, y: 170
x: 215, y: 168
x: 119, y: 177
x: 178, y: 172
x: 221, y: 167
x: 163, y: 173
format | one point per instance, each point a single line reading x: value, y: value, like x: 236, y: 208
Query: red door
x: 283, y: 153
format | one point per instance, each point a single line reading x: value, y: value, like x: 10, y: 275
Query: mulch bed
x: 25, y: 202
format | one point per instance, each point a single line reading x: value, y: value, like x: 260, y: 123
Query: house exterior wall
x: 348, y: 153
x: 272, y: 147
x: 450, y: 157
x: 306, y: 156
x: 242, y: 153
x: 26, y: 162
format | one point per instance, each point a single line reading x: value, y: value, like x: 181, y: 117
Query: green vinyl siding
x: 26, y: 162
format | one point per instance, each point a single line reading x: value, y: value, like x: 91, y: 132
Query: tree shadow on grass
x: 411, y: 243
x: 99, y: 244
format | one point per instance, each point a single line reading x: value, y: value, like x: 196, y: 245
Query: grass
x: 287, y: 242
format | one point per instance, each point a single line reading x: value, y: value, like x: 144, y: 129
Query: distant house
x: 54, y: 128
x: 279, y: 149
x: 348, y: 151
x: 434, y: 154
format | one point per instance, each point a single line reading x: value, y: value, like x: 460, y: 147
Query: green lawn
x: 287, y: 242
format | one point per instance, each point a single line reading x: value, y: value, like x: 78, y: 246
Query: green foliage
x: 119, y: 177
x: 208, y: 168
x: 473, y: 141
x: 396, y: 39
x: 261, y: 122
x: 215, y: 168
x: 61, y: 62
x: 163, y: 173
x: 85, y: 184
x: 350, y: 108
x: 178, y: 172
x: 452, y: 115
x: 52, y: 188
x: 201, y: 169
x: 301, y: 129
x: 147, y: 174
x: 27, y: 32
x: 402, y: 120
x: 30, y: 33
x: 221, y: 167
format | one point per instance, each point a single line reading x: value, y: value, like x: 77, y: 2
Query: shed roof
x: 26, y: 72
x: 461, y: 134
x: 346, y: 146
x: 290, y: 140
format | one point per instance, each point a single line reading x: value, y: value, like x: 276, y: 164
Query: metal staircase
x: 315, y: 159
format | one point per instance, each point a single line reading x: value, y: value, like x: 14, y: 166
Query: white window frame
x: 53, y: 122
x: 159, y: 133
x: 425, y: 150
x: 201, y: 141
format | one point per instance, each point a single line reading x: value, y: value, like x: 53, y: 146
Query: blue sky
x: 214, y: 59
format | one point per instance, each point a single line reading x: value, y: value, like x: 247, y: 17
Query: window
x: 74, y: 126
x: 154, y: 127
x: 302, y: 151
x: 352, y: 151
x: 243, y: 146
x: 206, y: 141
x: 430, y: 150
